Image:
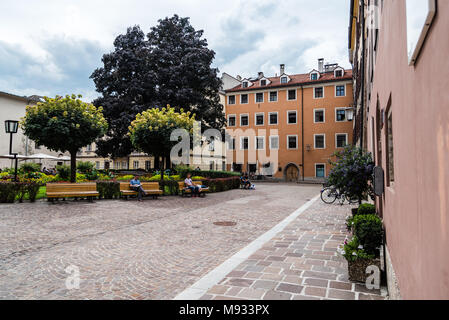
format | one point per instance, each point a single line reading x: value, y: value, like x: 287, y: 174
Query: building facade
x: 288, y: 126
x: 401, y: 75
x: 13, y: 107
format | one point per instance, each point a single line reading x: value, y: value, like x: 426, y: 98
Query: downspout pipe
x: 362, y: 85
x: 302, y: 130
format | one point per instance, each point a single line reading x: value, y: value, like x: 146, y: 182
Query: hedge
x: 10, y: 191
x: 108, y: 189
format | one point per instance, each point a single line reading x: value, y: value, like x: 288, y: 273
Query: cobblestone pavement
x: 300, y: 263
x: 149, y: 250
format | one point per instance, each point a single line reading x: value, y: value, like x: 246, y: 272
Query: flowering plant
x: 351, y: 173
x: 353, y: 250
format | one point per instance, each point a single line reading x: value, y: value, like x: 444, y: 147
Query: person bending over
x: 135, y: 185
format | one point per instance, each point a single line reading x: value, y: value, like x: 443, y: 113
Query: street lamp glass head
x: 11, y: 126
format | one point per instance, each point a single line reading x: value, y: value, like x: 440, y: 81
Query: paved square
x: 299, y: 263
x: 158, y: 248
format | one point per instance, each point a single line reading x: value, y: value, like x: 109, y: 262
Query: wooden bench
x: 71, y: 190
x: 150, y: 188
x: 185, y: 191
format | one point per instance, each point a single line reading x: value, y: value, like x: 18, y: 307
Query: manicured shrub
x: 366, y: 208
x: 369, y: 232
x: 28, y: 167
x: 128, y: 177
x: 80, y: 177
x: 32, y: 189
x: 9, y: 191
x: 5, y: 175
x: 157, y: 177
x: 169, y: 187
x: 63, y: 172
x: 108, y: 189
x: 222, y: 184
x: 104, y: 177
x: 92, y: 175
x: 84, y: 166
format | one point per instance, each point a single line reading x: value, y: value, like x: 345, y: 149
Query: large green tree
x: 171, y: 65
x: 64, y: 124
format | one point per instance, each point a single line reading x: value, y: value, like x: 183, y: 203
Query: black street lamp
x: 11, y: 127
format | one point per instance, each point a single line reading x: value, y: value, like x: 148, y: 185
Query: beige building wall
x: 13, y: 107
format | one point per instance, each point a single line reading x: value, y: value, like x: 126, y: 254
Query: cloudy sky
x: 50, y: 47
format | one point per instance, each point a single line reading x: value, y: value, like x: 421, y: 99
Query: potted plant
x: 363, y: 249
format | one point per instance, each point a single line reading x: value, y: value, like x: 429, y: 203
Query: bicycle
x: 330, y: 194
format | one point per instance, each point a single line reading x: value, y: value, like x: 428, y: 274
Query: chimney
x: 282, y: 69
x: 239, y: 78
x: 321, y: 65
x: 260, y: 75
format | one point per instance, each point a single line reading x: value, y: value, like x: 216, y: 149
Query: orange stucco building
x: 288, y: 126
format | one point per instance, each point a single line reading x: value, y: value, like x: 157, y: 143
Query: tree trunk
x: 73, y: 166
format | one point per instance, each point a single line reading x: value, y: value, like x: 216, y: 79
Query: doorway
x: 291, y: 173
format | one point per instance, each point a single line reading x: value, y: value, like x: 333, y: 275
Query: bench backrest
x: 70, y: 187
x: 145, y: 185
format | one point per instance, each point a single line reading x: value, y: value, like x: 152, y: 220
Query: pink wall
x: 416, y: 208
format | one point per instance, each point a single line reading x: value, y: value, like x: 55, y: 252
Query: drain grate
x: 225, y: 223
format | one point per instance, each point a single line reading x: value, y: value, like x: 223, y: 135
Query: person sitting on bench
x: 135, y: 185
x: 193, y: 188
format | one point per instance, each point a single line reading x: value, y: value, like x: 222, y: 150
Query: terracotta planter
x: 357, y: 269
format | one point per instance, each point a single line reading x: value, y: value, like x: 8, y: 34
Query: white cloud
x: 247, y: 36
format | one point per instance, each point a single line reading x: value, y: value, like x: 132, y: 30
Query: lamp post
x: 11, y: 127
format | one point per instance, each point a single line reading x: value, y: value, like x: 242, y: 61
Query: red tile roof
x: 296, y: 79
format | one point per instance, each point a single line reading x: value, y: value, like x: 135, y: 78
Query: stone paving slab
x: 299, y: 263
x: 131, y: 250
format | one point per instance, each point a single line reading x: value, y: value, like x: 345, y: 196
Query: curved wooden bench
x: 71, y: 190
x: 185, y: 191
x: 150, y: 188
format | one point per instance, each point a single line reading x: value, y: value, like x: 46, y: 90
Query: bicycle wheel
x: 328, y: 195
x: 352, y: 200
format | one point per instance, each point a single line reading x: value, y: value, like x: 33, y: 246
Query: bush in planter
x: 108, y: 189
x: 366, y: 208
x: 369, y: 232
x: 358, y: 259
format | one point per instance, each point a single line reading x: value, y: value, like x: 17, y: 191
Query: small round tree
x: 64, y: 124
x: 352, y: 172
x: 150, y: 131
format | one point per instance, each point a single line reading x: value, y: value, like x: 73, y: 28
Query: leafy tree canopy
x: 64, y: 124
x: 171, y: 65
x: 150, y: 131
